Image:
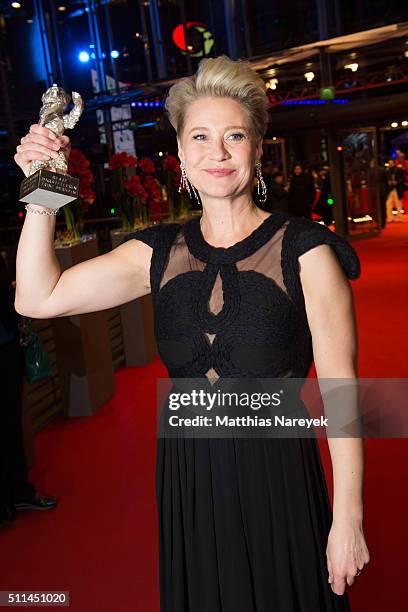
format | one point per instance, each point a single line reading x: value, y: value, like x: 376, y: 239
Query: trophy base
x: 49, y: 189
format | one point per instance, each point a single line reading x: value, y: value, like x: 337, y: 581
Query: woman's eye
x: 237, y: 137
x: 198, y: 137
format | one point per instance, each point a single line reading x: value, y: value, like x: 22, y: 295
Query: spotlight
x: 16, y: 5
x: 353, y: 67
x: 160, y: 153
x: 309, y: 76
x: 62, y: 8
x: 114, y: 54
x: 83, y: 56
x: 272, y: 84
x: 133, y: 104
x: 404, y: 123
x: 405, y: 53
x: 394, y: 124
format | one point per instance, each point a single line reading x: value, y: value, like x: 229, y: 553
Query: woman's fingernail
x: 51, y: 135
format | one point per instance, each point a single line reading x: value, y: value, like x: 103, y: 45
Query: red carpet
x: 101, y: 544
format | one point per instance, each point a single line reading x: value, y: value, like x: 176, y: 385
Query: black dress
x: 243, y: 523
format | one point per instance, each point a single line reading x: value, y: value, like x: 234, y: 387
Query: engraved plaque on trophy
x: 48, y: 183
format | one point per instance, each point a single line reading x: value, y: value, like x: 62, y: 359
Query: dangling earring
x: 261, y: 187
x: 185, y: 183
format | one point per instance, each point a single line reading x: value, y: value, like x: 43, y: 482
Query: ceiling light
x: 16, y: 5
x: 404, y: 123
x: 272, y: 84
x: 394, y: 124
x: 62, y: 8
x: 353, y: 67
x: 309, y: 76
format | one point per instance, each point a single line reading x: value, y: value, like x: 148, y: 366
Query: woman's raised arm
x: 42, y: 291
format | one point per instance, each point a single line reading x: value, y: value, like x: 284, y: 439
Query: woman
x: 245, y: 525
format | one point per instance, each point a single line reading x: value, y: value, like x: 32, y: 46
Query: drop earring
x: 261, y: 187
x: 185, y: 183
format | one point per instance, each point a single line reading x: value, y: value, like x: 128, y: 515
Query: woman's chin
x: 218, y: 192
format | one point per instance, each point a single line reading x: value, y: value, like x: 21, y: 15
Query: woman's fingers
x: 42, y: 140
x: 42, y: 131
x: 37, y: 149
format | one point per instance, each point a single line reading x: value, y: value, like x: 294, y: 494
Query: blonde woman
x: 245, y: 525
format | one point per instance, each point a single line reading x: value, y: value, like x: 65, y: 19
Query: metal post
x: 100, y: 69
x: 146, y: 44
x: 39, y: 12
x: 157, y: 39
x: 229, y: 10
x: 184, y: 21
x: 322, y: 23
x: 96, y: 41
x: 245, y: 20
x: 110, y: 44
x: 54, y: 25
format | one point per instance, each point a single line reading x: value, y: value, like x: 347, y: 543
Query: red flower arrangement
x: 171, y: 163
x: 122, y: 160
x: 146, y: 165
x: 133, y: 186
x: 78, y: 166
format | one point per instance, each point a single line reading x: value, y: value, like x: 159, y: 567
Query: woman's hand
x: 346, y: 552
x: 39, y: 144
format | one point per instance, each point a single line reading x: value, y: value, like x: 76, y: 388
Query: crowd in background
x: 307, y: 192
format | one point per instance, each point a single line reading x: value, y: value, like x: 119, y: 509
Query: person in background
x: 395, y: 191
x: 302, y: 192
x: 16, y: 492
x: 383, y: 192
x: 323, y: 208
x: 278, y: 197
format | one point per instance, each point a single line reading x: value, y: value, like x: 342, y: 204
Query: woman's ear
x: 180, y: 150
x: 259, y: 150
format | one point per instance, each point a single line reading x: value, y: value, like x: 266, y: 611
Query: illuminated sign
x: 200, y: 40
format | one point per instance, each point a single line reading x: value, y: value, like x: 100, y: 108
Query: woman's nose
x: 218, y: 151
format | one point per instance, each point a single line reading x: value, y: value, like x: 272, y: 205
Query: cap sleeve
x: 160, y: 237
x: 301, y: 236
x: 148, y: 235
x: 311, y: 234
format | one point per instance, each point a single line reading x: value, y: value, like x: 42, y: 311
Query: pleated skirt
x: 243, y: 526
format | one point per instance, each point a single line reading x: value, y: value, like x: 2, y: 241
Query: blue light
x: 145, y: 104
x: 140, y: 103
x: 142, y: 125
x: 83, y: 56
x: 115, y: 54
x: 93, y: 55
x: 133, y: 104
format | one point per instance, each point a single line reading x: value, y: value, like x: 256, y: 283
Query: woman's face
x: 218, y: 148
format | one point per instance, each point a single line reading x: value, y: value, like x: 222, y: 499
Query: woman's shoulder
x: 155, y: 235
x: 303, y: 234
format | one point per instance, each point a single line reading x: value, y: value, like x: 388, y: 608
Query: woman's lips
x: 216, y: 172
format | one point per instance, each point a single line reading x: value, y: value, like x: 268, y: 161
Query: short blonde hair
x: 221, y: 77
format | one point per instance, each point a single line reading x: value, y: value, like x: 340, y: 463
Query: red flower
x: 171, y: 164
x: 177, y: 179
x: 78, y: 166
x: 152, y: 187
x: 134, y: 188
x: 122, y: 160
x: 146, y: 165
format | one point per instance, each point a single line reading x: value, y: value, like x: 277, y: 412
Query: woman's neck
x: 226, y: 222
